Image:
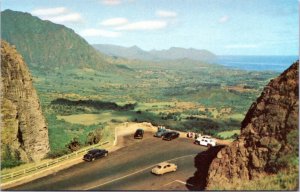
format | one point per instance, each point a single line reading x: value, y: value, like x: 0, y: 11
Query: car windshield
x: 93, y: 151
x: 88, y: 155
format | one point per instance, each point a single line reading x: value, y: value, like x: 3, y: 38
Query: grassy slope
x: 48, y: 46
x: 286, y: 179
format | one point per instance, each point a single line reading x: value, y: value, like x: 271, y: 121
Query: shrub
x: 57, y: 153
x: 116, y: 121
x: 94, y: 137
x: 74, y: 144
x: 9, y: 158
x: 234, y: 136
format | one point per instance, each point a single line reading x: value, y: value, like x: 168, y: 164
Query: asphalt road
x: 128, y: 168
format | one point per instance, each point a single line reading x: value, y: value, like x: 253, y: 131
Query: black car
x: 139, y: 133
x: 95, y: 154
x: 171, y: 135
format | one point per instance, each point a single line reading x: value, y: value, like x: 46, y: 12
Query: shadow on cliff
x: 202, y: 162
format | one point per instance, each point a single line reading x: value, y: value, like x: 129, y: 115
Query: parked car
x: 163, y: 168
x: 190, y: 134
x: 161, y: 131
x: 171, y: 135
x: 206, y: 141
x: 206, y: 137
x: 139, y: 134
x: 95, y: 154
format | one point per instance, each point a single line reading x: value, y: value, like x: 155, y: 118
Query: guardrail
x: 48, y: 164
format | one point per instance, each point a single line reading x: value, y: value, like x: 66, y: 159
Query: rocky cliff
x: 269, y: 134
x: 24, y: 133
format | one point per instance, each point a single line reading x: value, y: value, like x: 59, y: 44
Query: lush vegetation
x: 82, y: 90
x: 182, y: 95
x: 65, y: 49
x: 9, y: 158
x: 285, y: 179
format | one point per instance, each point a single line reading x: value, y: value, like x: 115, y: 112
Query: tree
x: 94, y: 137
x: 74, y: 145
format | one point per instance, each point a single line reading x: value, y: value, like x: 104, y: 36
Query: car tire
x: 209, y: 145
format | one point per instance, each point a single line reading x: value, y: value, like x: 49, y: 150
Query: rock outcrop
x: 265, y: 134
x: 23, y: 128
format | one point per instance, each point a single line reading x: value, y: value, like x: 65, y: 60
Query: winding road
x: 128, y: 168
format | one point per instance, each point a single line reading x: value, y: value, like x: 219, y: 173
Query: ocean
x: 257, y: 63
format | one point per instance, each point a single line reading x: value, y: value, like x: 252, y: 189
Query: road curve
x: 127, y: 168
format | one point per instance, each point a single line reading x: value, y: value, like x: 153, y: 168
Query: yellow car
x: 163, y: 168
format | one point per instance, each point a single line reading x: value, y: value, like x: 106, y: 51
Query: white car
x: 163, y: 168
x: 206, y: 137
x: 206, y: 141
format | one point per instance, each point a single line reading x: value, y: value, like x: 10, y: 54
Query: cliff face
x: 269, y: 133
x: 23, y: 127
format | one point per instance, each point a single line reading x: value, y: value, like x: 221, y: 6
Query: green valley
x: 84, y: 92
x: 113, y: 94
x: 193, y: 97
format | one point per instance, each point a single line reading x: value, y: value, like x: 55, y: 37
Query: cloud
x: 114, y: 21
x: 99, y: 33
x: 241, y: 46
x: 143, y: 25
x: 164, y: 13
x: 68, y: 18
x: 115, y: 2
x: 58, y: 15
x: 49, y: 11
x: 224, y: 19
x: 111, y: 2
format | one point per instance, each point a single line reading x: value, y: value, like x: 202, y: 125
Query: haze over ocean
x: 258, y: 63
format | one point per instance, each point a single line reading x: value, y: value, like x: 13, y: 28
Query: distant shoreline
x: 257, y: 63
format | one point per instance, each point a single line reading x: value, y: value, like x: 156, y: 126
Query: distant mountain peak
x: 134, y: 47
x: 173, y: 53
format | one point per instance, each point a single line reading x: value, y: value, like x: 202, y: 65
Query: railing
x: 60, y: 159
x: 48, y: 164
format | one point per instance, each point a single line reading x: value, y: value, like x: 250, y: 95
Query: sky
x: 224, y: 27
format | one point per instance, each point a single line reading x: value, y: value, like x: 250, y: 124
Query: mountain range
x: 173, y: 53
x: 48, y: 46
